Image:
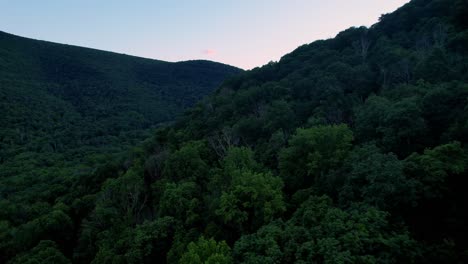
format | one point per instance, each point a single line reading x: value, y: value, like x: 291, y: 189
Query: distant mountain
x: 44, y: 84
x: 56, y: 97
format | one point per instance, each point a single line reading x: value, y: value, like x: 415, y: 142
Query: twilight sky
x: 243, y: 33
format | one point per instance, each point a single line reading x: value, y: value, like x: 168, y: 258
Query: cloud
x: 209, y: 52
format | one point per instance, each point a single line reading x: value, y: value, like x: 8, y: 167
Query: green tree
x: 187, y: 162
x: 239, y: 159
x: 318, y: 232
x: 312, y: 152
x: 279, y: 115
x: 252, y: 200
x: 245, y: 194
x: 207, y: 251
x: 403, y: 127
x: 6, y: 243
x: 236, y: 161
x: 443, y: 105
x: 435, y: 166
x: 264, y: 246
x: 369, y: 116
x: 56, y: 226
x: 442, y: 173
x: 180, y: 201
x: 44, y: 253
x: 122, y: 199
x: 377, y: 179
x: 397, y: 126
x: 152, y: 241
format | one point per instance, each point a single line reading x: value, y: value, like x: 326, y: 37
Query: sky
x: 242, y: 33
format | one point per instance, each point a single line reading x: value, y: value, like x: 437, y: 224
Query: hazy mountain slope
x: 66, y: 96
x: 102, y: 85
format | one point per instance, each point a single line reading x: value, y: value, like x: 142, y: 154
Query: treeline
x: 348, y: 150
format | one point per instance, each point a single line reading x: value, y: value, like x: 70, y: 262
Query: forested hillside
x: 50, y: 90
x: 347, y: 150
x: 66, y: 111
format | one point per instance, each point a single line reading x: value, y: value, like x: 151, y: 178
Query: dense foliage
x: 347, y: 150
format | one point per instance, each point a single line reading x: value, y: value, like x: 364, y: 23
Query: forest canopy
x: 348, y: 150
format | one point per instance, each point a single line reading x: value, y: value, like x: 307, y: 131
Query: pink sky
x: 243, y: 33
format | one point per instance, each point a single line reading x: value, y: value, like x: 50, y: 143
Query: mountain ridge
x: 8, y: 34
